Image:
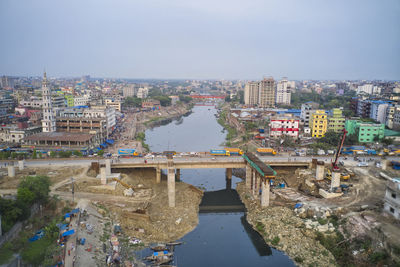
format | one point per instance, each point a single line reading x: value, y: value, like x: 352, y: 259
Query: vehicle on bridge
x: 126, y: 152
x: 219, y: 152
x: 266, y: 151
x: 234, y: 151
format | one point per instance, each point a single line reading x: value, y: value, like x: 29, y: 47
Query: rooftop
x: 60, y: 136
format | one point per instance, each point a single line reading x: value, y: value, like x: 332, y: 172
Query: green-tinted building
x: 70, y: 100
x: 366, y: 131
x: 336, y: 122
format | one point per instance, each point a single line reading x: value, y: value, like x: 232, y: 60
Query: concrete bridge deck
x: 205, y: 163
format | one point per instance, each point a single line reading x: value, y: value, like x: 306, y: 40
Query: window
x: 391, y: 210
x: 393, y: 195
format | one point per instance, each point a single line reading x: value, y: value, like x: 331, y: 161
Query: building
x: 284, y: 127
x: 61, y: 141
x: 129, y: 90
x: 151, y: 103
x: 392, y: 198
x: 366, y: 132
x: 114, y: 103
x: 307, y: 110
x: 15, y: 135
x: 378, y: 111
x: 81, y: 100
x: 391, y: 111
x: 363, y: 108
x: 70, y: 100
x: 368, y: 89
x: 266, y: 97
x: 48, y: 121
x: 336, y: 122
x: 251, y: 94
x: 143, y: 92
x: 319, y: 123
x: 87, y: 120
x: 174, y: 99
x: 283, y: 91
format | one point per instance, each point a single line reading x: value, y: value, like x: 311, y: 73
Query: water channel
x: 221, y: 238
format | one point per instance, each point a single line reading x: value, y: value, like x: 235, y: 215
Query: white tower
x: 48, y: 121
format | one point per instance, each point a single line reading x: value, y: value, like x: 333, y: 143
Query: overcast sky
x: 201, y: 39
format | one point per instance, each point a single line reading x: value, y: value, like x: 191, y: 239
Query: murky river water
x: 220, y: 239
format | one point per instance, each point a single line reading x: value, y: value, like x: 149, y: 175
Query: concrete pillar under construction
x: 384, y: 163
x: 21, y: 165
x: 335, y: 182
x: 228, y: 173
x: 108, y: 166
x: 253, y: 183
x: 258, y: 180
x: 178, y: 174
x: 265, y: 192
x: 248, y: 176
x: 319, y: 174
x: 158, y: 175
x: 171, y: 187
x: 103, y: 176
x: 11, y: 171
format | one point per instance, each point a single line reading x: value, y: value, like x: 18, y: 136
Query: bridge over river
x: 259, y: 171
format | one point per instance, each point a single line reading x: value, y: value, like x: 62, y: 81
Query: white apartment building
x: 129, y: 90
x: 114, y: 103
x: 284, y: 127
x: 368, y: 89
x: 283, y: 91
x: 392, y: 198
x: 143, y: 92
x: 81, y: 100
x: 251, y: 93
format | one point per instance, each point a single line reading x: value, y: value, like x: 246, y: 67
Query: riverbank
x: 283, y: 230
x: 135, y: 124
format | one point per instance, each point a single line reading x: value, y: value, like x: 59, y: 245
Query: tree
x: 132, y: 102
x: 100, y: 153
x: 25, y: 195
x: 164, y: 100
x: 332, y: 138
x: 34, y: 154
x: 185, y: 99
x: 39, y: 185
x: 228, y: 98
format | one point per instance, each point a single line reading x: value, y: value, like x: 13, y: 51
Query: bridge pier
x: 171, y: 187
x: 253, y: 183
x: 257, y: 185
x: 11, y: 171
x: 158, y: 175
x: 108, y: 166
x: 228, y: 173
x: 319, y: 173
x: 265, y: 184
x: 248, y: 176
x: 228, y: 183
x: 178, y: 174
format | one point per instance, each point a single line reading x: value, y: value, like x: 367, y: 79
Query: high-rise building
x: 319, y: 124
x: 266, y: 97
x: 48, y: 121
x: 251, y: 93
x: 129, y: 90
x: 283, y: 91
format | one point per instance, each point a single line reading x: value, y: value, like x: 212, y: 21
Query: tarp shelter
x: 62, y: 226
x: 103, y: 145
x: 67, y: 233
x: 74, y: 211
x: 110, y: 141
x: 67, y: 215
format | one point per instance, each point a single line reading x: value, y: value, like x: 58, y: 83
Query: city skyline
x: 232, y: 40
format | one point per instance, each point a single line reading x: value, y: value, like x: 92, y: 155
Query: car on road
x: 362, y: 164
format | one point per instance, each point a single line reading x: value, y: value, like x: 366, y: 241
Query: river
x: 221, y: 238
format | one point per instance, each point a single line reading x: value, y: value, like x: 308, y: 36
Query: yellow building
x: 319, y: 124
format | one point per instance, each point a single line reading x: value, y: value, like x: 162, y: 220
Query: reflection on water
x: 223, y: 236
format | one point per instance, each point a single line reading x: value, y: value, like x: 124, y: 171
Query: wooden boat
x: 159, y: 255
x: 160, y: 247
x: 174, y: 243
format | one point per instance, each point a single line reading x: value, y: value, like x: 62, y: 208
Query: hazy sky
x: 200, y: 39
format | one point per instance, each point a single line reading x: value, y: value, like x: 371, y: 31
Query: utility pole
x: 72, y: 188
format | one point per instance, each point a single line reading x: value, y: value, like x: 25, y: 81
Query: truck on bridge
x: 128, y: 152
x: 219, y: 152
x: 234, y: 151
x: 266, y: 151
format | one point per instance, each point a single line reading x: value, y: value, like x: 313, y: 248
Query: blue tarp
x: 67, y: 215
x: 62, y: 226
x: 74, y: 211
x: 110, y: 141
x: 70, y: 232
x: 98, y: 148
x: 103, y: 145
x: 298, y: 206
